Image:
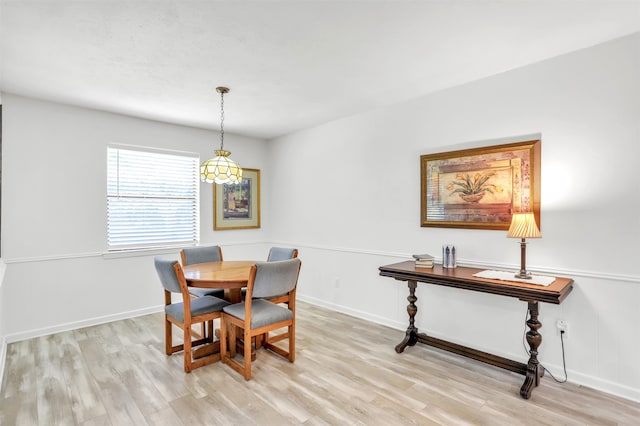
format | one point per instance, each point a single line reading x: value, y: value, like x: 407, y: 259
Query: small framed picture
x: 237, y: 206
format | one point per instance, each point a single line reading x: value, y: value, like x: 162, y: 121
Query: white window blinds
x: 152, y: 198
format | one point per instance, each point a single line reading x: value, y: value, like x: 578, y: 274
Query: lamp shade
x: 523, y: 225
x: 220, y: 169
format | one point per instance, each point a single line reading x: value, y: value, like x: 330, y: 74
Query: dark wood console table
x: 462, y: 278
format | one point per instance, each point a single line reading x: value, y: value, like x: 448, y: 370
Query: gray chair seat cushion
x: 263, y: 312
x: 199, y: 292
x: 201, y: 305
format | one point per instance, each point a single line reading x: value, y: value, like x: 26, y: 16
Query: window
x: 152, y: 198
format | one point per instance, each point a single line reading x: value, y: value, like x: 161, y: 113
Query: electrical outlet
x: 563, y: 326
x: 336, y: 282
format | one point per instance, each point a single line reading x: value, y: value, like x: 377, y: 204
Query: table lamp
x: 523, y: 225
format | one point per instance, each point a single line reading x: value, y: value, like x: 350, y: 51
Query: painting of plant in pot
x: 481, y: 187
x: 471, y: 187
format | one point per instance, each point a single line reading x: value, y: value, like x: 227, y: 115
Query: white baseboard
x: 574, y: 377
x: 616, y: 389
x: 353, y: 312
x: 29, y: 334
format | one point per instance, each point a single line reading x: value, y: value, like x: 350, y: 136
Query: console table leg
x: 410, y: 338
x: 534, y: 370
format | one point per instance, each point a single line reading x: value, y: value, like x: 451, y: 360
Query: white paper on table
x: 510, y: 276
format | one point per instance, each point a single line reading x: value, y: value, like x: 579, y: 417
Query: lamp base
x: 523, y: 275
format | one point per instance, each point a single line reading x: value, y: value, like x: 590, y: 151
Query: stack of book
x: 423, y: 260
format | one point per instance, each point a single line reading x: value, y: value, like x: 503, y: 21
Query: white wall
x: 351, y: 204
x: 3, y: 344
x: 54, y: 215
x: 347, y: 194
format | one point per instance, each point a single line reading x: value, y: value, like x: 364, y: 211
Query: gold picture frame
x: 480, y: 188
x: 237, y: 206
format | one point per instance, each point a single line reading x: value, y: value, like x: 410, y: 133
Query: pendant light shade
x: 221, y: 169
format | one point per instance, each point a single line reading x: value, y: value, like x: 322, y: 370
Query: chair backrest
x: 205, y: 254
x: 275, y: 278
x: 167, y: 274
x: 280, y: 253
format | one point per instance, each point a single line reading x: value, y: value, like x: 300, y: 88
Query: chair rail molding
x: 474, y: 263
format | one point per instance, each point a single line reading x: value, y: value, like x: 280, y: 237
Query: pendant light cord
x: 222, y: 120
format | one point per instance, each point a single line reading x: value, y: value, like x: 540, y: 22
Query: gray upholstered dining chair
x: 280, y: 253
x: 257, y: 316
x: 203, y: 254
x: 192, y: 255
x: 186, y: 313
x: 277, y: 254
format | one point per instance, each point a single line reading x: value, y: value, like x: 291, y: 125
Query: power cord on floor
x: 524, y: 343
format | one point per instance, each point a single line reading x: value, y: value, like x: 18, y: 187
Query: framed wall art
x: 480, y: 188
x: 237, y: 206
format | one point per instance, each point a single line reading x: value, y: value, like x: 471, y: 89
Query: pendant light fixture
x: 221, y: 168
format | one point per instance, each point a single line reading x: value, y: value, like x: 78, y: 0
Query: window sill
x: 152, y: 251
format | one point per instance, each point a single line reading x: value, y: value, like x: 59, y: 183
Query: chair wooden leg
x: 168, y: 342
x: 187, y: 349
x: 247, y: 354
x: 210, y: 332
x: 292, y: 342
x: 232, y: 339
x: 223, y: 341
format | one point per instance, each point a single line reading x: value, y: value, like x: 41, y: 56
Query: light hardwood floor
x: 346, y: 372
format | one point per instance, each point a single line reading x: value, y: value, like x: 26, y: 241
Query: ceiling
x: 289, y: 64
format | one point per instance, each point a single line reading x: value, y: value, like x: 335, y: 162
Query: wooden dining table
x: 230, y: 275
